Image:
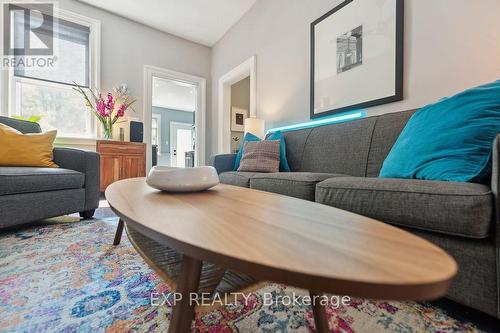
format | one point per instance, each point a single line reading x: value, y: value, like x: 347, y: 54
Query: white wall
x: 240, y: 94
x: 127, y: 46
x: 449, y: 45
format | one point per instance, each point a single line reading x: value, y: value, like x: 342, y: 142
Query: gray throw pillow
x: 261, y: 156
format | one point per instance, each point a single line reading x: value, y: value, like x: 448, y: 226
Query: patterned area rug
x: 66, y: 277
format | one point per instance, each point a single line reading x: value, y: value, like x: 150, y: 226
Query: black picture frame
x: 399, y: 60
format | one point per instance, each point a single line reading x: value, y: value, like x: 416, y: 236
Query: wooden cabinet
x: 109, y: 170
x: 120, y: 160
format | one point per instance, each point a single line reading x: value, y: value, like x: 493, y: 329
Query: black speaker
x: 154, y: 151
x: 136, y: 131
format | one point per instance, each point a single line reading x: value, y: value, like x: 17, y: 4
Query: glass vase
x: 107, y: 132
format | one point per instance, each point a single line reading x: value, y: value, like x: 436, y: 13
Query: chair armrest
x: 223, y: 162
x: 85, y: 162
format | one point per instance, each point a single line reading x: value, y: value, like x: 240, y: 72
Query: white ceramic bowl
x: 182, y: 179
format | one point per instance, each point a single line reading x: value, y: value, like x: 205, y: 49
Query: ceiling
x: 174, y: 95
x: 201, y: 21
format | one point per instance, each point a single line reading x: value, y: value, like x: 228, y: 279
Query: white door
x: 181, y: 141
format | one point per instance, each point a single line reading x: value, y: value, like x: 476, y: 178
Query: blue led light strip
x: 320, y: 122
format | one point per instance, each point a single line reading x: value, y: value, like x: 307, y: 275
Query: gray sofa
x: 29, y: 194
x: 339, y: 164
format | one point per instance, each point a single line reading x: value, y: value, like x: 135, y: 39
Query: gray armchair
x: 29, y: 194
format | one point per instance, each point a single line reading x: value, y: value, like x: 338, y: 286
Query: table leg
x: 119, y: 231
x: 188, y: 282
x: 319, y: 313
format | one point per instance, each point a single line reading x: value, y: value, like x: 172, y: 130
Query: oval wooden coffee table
x: 277, y: 238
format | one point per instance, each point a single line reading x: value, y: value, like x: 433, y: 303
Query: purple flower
x: 111, y: 104
x: 101, y: 108
x: 121, y: 110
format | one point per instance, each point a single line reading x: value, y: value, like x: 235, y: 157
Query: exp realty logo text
x: 28, y: 35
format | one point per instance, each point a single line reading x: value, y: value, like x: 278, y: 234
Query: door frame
x: 246, y: 69
x: 172, y: 125
x: 200, y: 112
x: 158, y: 119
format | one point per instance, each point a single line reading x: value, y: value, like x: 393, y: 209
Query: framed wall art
x: 357, y: 56
x: 238, y: 117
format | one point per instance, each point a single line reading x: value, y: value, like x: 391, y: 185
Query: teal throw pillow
x: 450, y: 140
x: 278, y: 135
x: 248, y: 137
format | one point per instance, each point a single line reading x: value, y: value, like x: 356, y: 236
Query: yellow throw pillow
x: 27, y: 150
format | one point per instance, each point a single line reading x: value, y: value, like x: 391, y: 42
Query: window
x: 49, y: 92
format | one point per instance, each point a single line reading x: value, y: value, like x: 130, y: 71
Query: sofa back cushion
x: 342, y: 148
x: 386, y: 132
x: 22, y: 126
x: 295, y: 143
x: 356, y: 148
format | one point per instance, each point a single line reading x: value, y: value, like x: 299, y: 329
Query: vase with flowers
x: 107, y: 109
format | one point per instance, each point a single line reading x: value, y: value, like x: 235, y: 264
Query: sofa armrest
x: 223, y: 162
x: 85, y: 162
x: 495, y: 188
x: 495, y: 182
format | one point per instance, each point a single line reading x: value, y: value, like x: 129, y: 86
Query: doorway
x: 244, y: 70
x: 174, y: 118
x: 240, y: 106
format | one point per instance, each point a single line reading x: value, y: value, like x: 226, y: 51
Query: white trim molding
x: 246, y: 69
x: 158, y: 130
x: 200, y: 112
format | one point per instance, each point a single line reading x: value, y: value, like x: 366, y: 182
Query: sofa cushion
x: 300, y: 185
x: 22, y: 126
x: 15, y: 180
x: 462, y: 209
x: 338, y: 148
x: 385, y: 133
x: 278, y: 135
x: 295, y: 143
x: 237, y: 178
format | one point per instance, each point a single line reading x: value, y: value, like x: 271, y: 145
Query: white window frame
x: 158, y: 131
x: 8, y: 80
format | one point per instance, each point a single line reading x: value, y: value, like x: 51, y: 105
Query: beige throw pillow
x: 261, y: 156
